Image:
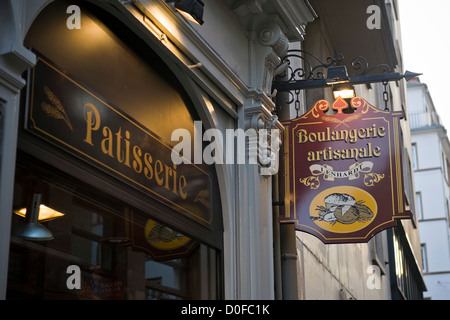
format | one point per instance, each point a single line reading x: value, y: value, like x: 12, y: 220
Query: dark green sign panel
x: 69, y: 115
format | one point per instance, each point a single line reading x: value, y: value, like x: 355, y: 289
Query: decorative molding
x: 266, y: 149
x: 12, y: 65
x: 271, y: 36
x: 14, y: 57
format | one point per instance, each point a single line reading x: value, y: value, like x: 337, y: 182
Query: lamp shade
x: 337, y: 75
x: 34, y: 231
x: 344, y: 93
x: 31, y: 229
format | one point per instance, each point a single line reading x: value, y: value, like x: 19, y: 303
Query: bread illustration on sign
x: 343, y: 208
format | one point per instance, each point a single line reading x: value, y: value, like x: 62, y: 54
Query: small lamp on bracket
x: 337, y: 75
x: 31, y: 229
x: 344, y: 91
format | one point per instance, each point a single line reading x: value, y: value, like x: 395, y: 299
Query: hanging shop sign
x: 70, y: 116
x: 345, y: 180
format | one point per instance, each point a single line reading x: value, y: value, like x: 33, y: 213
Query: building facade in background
x: 91, y: 94
x: 430, y: 151
x: 342, y: 271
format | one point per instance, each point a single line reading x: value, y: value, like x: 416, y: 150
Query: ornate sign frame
x: 344, y: 171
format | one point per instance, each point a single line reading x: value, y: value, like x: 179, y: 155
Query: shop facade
x: 94, y: 95
x: 92, y: 92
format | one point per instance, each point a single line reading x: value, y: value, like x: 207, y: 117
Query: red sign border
x: 396, y: 178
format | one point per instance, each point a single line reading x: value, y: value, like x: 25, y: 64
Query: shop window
x: 121, y: 253
x: 406, y: 279
x: 128, y: 239
x: 414, y: 156
x: 423, y: 248
x: 419, y: 206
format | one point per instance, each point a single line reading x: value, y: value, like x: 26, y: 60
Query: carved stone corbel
x: 271, y: 36
x: 265, y: 139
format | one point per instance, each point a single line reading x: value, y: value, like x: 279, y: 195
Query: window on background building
x: 423, y: 248
x: 408, y: 183
x: 419, y: 206
x: 377, y: 251
x: 415, y: 164
x: 447, y: 208
x: 406, y: 280
x: 446, y: 168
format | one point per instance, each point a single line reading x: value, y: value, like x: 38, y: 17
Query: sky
x: 425, y: 30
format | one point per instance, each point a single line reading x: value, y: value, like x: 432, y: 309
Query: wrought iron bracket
x: 308, y: 72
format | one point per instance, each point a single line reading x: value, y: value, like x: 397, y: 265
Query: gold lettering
x: 120, y: 156
x: 354, y: 153
x: 353, y: 136
x: 327, y: 154
x: 174, y: 190
x: 118, y: 145
x: 364, y: 153
x: 361, y: 133
x: 301, y: 135
x: 336, y: 155
x: 374, y: 130
x: 344, y: 135
x: 109, y: 140
x: 168, y: 173
x: 335, y: 136
x: 148, y: 170
x: 377, y: 151
x: 127, y: 148
x: 342, y: 154
x: 345, y: 154
x: 137, y: 162
x: 158, y: 170
x: 92, y: 118
x: 182, y: 184
x: 321, y: 136
x: 311, y: 156
x: 347, y: 136
x: 318, y: 155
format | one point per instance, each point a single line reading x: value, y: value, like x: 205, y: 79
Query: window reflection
x: 122, y: 254
x: 165, y: 280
